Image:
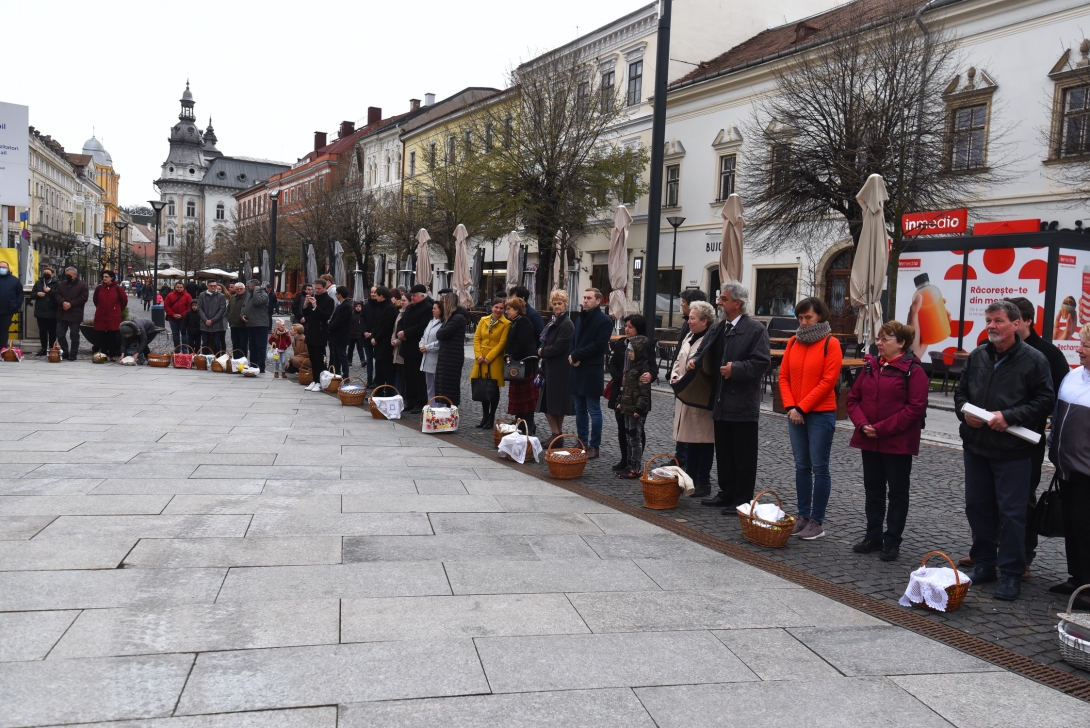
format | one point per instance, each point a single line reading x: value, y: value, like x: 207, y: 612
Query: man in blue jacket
x: 11, y: 298
x: 588, y: 360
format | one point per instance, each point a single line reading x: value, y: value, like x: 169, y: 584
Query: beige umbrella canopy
x: 618, y: 263
x: 730, y: 253
x: 423, y: 258
x: 560, y: 265
x: 514, y: 243
x: 461, y: 279
x: 871, y: 258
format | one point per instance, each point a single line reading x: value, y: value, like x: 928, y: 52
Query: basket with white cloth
x: 765, y: 524
x: 1074, y: 629
x: 940, y: 590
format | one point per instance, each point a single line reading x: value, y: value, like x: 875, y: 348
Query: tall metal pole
x: 673, y: 262
x: 658, y: 142
x: 274, y: 195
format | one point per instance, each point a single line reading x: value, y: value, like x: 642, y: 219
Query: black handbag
x: 485, y: 388
x: 1047, y: 519
x: 519, y: 370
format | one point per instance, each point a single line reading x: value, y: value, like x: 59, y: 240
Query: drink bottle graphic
x: 1084, y: 302
x: 933, y: 320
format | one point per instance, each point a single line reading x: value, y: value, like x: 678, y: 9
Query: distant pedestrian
x: 255, y: 314
x: 212, y: 306
x: 887, y: 404
x: 355, y: 333
x: 694, y: 428
x: 384, y: 317
x: 176, y: 307
x: 1011, y: 380
x: 340, y: 326
x: 521, y: 346
x: 809, y: 374
x: 71, y: 297
x: 147, y: 295
x: 240, y: 338
x: 274, y: 302
x: 367, y: 325
x: 280, y: 341
x: 635, y: 401
x: 45, y: 309
x: 110, y: 302
x: 451, y: 337
x: 634, y: 325
x: 429, y: 348
x: 587, y: 379
x: 489, y: 342
x: 555, y: 343
x: 11, y: 300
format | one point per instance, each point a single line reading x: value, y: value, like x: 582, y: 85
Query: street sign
x: 937, y: 222
x: 14, y: 155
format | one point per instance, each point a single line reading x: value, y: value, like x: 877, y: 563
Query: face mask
x: 71, y: 278
x: 47, y: 277
x: 3, y: 271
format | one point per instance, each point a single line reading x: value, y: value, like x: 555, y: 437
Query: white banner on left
x: 14, y: 155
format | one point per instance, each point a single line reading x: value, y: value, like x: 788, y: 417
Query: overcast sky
x: 269, y: 73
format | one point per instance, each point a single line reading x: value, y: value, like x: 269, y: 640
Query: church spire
x: 187, y: 104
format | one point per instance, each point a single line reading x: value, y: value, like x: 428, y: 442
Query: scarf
x: 552, y: 321
x: 813, y: 334
x: 492, y: 322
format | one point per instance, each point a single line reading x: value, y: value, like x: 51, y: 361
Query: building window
x: 775, y: 291
x: 1074, y: 138
x: 170, y: 238
x: 637, y: 278
x: 673, y: 183
x: 220, y: 212
x: 967, y: 137
x: 431, y: 154
x: 388, y: 168
x: 190, y: 209
x: 171, y: 210
x: 635, y: 82
x: 489, y: 132
x: 628, y: 191
x: 412, y: 163
x: 508, y: 132
x: 780, y: 158
x: 467, y: 144
x: 451, y: 149
x: 728, y: 164
x: 609, y: 79
x: 582, y: 98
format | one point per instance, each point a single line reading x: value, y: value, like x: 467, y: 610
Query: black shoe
x: 620, y: 467
x: 701, y: 491
x: 867, y: 545
x: 1010, y: 586
x: 40, y: 353
x: 983, y: 573
x: 720, y: 499
x: 480, y: 425
x: 890, y: 553
x: 1067, y: 587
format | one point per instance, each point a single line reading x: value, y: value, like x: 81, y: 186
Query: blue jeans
x: 177, y: 332
x: 811, y: 443
x: 592, y: 406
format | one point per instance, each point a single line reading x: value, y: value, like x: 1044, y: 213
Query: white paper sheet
x: 1016, y: 430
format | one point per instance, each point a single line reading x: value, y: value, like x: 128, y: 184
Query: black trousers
x: 47, y: 332
x: 416, y: 389
x: 996, y: 493
x: 698, y: 464
x: 259, y: 346
x: 316, y: 351
x: 1075, y: 496
x: 622, y: 435
x: 5, y: 324
x: 736, y: 452
x: 1036, y: 460
x: 214, y: 340
x: 66, y: 330
x: 384, y: 368
x: 885, y: 473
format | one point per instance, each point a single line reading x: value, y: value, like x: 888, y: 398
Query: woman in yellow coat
x: 488, y: 344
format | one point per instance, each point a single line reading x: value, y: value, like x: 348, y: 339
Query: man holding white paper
x: 1011, y: 381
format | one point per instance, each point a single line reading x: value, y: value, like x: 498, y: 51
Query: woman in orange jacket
x: 808, y: 376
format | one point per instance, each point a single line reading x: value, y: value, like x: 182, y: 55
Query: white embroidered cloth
x: 514, y: 446
x: 683, y: 479
x: 390, y: 407
x: 128, y: 361
x: 767, y: 511
x: 929, y: 586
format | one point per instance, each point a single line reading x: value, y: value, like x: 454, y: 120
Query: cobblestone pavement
x: 936, y: 521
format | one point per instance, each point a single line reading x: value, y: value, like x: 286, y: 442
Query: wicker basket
x: 182, y: 360
x: 659, y: 493
x: 497, y: 435
x: 334, y: 383
x: 955, y: 593
x: 54, y: 355
x: 767, y: 533
x: 566, y: 463
x: 306, y: 376
x: 161, y: 361
x: 371, y: 404
x: 9, y: 355
x: 200, y: 362
x: 216, y: 366
x: 1075, y: 650
x: 352, y: 395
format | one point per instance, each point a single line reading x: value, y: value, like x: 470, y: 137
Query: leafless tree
x: 192, y: 249
x: 355, y: 219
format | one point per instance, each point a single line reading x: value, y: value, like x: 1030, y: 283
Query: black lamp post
x: 274, y: 196
x: 100, y: 236
x: 675, y: 222
x: 158, y: 206
x: 120, y: 225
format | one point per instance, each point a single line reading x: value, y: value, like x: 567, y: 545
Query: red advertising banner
x: 938, y: 222
x: 1006, y: 226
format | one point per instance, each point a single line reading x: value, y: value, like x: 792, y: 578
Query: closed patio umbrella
x: 730, y: 253
x: 461, y: 280
x: 514, y: 272
x: 339, y: 276
x: 871, y: 257
x: 560, y: 264
x: 618, y: 263
x: 266, y: 269
x: 423, y: 258
x: 247, y: 271
x: 312, y: 264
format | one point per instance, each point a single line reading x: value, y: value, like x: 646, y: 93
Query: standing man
x: 1011, y: 380
x: 255, y: 314
x: 1058, y: 369
x: 367, y: 324
x: 587, y: 378
x: 177, y: 305
x: 212, y: 308
x: 736, y: 352
x: 317, y: 308
x: 240, y: 338
x: 274, y: 302
x: 45, y: 309
x: 11, y: 298
x: 382, y: 323
x: 340, y: 329
x: 71, y: 296
x: 410, y: 329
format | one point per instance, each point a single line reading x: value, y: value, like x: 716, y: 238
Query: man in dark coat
x: 45, y: 309
x: 382, y: 330
x: 735, y: 351
x: 274, y: 302
x: 11, y: 299
x: 587, y: 379
x: 317, y: 308
x: 71, y: 296
x: 212, y: 309
x: 367, y: 324
x: 414, y: 319
x: 255, y: 314
x: 340, y: 330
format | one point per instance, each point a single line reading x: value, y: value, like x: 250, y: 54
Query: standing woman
x: 693, y: 426
x: 522, y: 344
x: 429, y: 347
x: 489, y: 341
x: 451, y: 337
x: 808, y: 376
x: 634, y: 325
x: 887, y: 404
x: 555, y: 340
x: 110, y: 301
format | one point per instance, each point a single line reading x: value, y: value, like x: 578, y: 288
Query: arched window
x: 388, y: 168
x: 170, y: 238
x: 190, y: 208
x: 171, y: 210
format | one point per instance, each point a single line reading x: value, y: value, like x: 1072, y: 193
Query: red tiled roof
x: 80, y: 160
x: 785, y: 38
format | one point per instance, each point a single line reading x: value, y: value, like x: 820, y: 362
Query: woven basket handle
x: 209, y: 350
x: 383, y: 386
x: 647, y: 466
x: 1071, y: 601
x: 552, y: 449
x: 957, y: 576
x: 439, y: 396
x: 346, y: 380
x: 753, y: 506
x: 179, y: 346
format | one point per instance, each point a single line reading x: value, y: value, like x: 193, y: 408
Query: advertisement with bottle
x: 1072, y: 298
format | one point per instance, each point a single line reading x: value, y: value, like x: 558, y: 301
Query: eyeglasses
x: 725, y: 299
x: 887, y: 339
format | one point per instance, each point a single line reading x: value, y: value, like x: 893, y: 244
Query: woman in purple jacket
x: 887, y: 404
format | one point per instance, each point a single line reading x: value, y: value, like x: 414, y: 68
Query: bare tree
x: 355, y: 219
x: 868, y: 101
x: 192, y: 249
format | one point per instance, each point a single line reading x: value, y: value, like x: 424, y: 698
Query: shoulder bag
x: 519, y: 370
x: 485, y: 388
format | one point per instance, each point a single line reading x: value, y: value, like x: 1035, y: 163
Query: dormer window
x: 804, y: 31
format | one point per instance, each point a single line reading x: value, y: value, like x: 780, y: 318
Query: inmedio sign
x: 14, y: 155
x: 939, y: 222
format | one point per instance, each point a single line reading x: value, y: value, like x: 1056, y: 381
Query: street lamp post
x: 120, y: 225
x: 100, y: 236
x: 158, y: 206
x: 274, y: 196
x: 675, y: 222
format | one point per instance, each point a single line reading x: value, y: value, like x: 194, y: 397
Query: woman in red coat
x: 110, y: 300
x: 887, y: 403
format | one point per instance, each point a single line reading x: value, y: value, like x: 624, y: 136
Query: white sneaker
x: 311, y: 386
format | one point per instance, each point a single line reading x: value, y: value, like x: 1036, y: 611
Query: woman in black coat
x: 451, y: 337
x: 556, y: 401
x: 634, y: 325
x: 522, y: 344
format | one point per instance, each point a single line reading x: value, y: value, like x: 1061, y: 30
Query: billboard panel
x: 1072, y: 297
x: 14, y: 155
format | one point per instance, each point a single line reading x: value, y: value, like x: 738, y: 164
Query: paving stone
x: 378, y: 485
x: 64, y: 553
x: 315, y: 472
x: 774, y: 654
x: 819, y: 610
x: 452, y: 617
x: 684, y: 610
x: 342, y: 524
x: 513, y: 523
x: 440, y: 487
x: 19, y: 528
x: 31, y: 635
x: 29, y: 590
x: 296, y: 676
x: 81, y: 505
x: 49, y: 486
x: 651, y: 546
x: 199, y: 628
x: 115, y: 688
x: 885, y: 651
x: 404, y: 503
x: 122, y: 471
x: 617, y: 523
x: 578, y: 662
x: 181, y: 486
x: 614, y: 708
x: 335, y: 581
x: 293, y: 718
x: 177, y: 553
x: 536, y: 577
x: 146, y: 526
x: 724, y: 573
x: 227, y: 504
x: 550, y: 504
x: 231, y: 460
x: 516, y: 485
